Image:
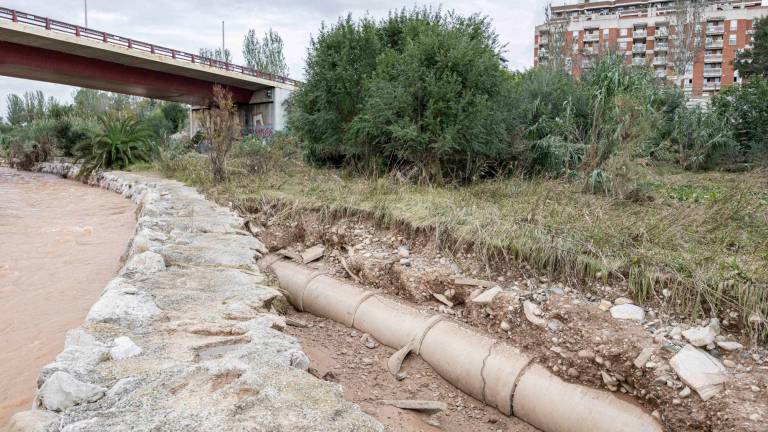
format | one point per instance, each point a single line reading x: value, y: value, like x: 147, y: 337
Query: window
x: 732, y: 40
x: 575, y: 34
x: 625, y: 32
x: 734, y: 25
x: 623, y: 45
x: 605, y: 33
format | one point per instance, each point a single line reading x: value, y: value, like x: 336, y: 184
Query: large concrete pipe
x: 479, y: 365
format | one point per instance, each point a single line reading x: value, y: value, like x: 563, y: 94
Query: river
x: 60, y: 243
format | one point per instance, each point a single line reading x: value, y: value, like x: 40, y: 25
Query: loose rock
x: 628, y: 312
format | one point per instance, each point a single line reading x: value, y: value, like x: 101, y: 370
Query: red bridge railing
x: 84, y: 32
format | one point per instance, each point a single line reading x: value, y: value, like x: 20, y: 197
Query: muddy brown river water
x: 60, y: 243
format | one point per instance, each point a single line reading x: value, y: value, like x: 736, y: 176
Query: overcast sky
x: 190, y: 24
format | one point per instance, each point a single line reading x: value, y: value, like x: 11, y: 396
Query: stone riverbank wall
x: 186, y: 337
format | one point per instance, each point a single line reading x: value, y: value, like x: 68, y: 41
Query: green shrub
x: 119, y: 142
x: 746, y: 109
x: 420, y: 88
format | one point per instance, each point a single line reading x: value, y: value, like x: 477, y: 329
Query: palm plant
x: 120, y: 141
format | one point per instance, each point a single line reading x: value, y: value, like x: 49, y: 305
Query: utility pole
x: 222, y: 39
x: 85, y: 7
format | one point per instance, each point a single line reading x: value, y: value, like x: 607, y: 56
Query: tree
x: 754, y: 62
x: 216, y: 54
x: 746, y: 108
x: 221, y: 128
x: 420, y: 90
x: 687, y: 40
x: 17, y: 114
x: 265, y: 55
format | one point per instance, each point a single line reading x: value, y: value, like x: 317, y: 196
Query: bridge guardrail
x: 87, y: 33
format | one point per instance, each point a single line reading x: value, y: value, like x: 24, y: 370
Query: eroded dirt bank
x: 60, y: 243
x: 587, y: 334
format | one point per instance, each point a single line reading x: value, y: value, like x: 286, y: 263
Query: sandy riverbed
x: 60, y: 243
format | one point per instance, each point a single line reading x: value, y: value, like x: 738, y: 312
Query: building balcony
x: 660, y: 73
x: 661, y: 33
x: 638, y: 61
x: 639, y: 34
x: 713, y: 58
x: 714, y: 43
x: 715, y: 29
x: 661, y: 47
x: 711, y: 86
x: 713, y: 72
x: 589, y: 51
x: 591, y: 37
x: 638, y: 48
x: 543, y: 41
x: 659, y: 61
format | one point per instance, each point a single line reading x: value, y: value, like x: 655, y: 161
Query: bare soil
x: 337, y: 354
x: 580, y: 342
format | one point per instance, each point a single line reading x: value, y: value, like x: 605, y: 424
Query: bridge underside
x: 23, y: 61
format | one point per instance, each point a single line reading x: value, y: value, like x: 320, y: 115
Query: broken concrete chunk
x: 699, y: 370
x: 487, y: 296
x: 643, y: 357
x: 426, y: 406
x: 442, y: 299
x: 313, y: 254
x: 628, y: 312
x: 472, y: 282
x: 532, y: 313
x: 62, y: 391
x: 289, y: 254
x: 700, y: 336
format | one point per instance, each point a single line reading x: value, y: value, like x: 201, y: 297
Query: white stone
x: 699, y: 370
x: 622, y: 301
x: 487, y: 296
x: 700, y: 336
x: 532, y: 312
x: 144, y: 263
x: 628, y: 312
x: 122, y: 304
x: 35, y: 420
x: 730, y: 345
x: 604, y: 305
x: 124, y: 348
x: 62, y: 391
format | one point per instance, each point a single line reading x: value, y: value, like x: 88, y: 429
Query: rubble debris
x: 628, y: 312
x: 473, y: 282
x: 643, y: 357
x: 425, y: 406
x: 312, y: 254
x: 487, y: 296
x: 532, y: 312
x: 442, y: 299
x: 699, y: 370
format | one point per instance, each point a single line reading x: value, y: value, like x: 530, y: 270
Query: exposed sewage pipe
x: 486, y: 369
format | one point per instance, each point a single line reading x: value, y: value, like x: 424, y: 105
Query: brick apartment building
x: 641, y: 29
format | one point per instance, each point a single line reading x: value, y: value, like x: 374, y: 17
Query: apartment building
x: 644, y: 31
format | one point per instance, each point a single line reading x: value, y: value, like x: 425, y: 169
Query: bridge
x: 44, y: 49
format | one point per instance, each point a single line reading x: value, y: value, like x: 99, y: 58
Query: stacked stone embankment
x: 186, y: 337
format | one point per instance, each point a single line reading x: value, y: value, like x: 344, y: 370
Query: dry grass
x: 703, y: 237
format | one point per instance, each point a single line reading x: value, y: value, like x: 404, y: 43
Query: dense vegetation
x: 102, y: 130
x: 426, y: 93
